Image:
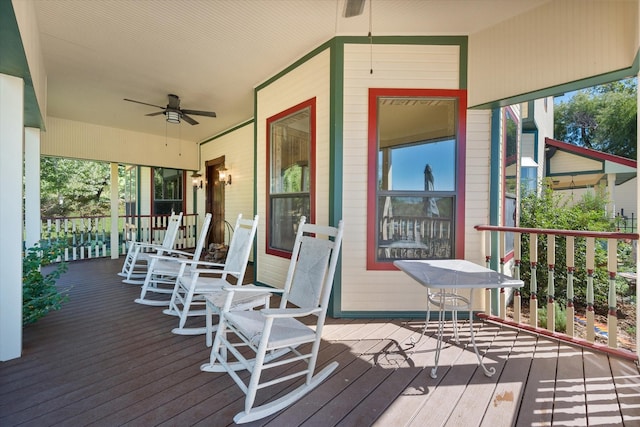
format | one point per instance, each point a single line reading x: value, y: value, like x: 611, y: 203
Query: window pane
x: 423, y: 167
x: 167, y: 191
x: 416, y: 143
x: 409, y: 228
x: 285, y: 216
x: 290, y: 146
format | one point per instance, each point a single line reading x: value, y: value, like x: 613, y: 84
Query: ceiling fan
x: 173, y: 111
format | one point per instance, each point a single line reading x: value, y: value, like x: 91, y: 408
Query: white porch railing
x: 549, y: 237
x: 90, y: 237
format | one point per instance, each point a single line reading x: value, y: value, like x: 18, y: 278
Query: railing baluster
x: 590, y: 314
x: 551, y: 262
x: 502, y: 310
x: 612, y: 320
x: 571, y: 267
x: 533, y: 286
x: 487, y: 250
x: 517, y: 254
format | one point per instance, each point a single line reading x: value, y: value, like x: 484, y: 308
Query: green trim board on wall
x: 14, y: 63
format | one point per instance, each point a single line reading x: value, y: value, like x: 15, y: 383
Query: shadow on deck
x: 104, y: 360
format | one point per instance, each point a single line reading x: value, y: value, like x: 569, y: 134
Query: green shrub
x: 551, y: 211
x: 560, y: 316
x: 39, y: 292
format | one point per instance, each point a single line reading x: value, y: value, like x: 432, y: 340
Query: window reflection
x: 290, y: 145
x: 416, y: 177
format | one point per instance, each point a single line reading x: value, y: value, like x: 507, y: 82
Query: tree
x: 70, y: 187
x: 603, y: 118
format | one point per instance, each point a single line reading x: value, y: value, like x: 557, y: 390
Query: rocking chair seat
x: 285, y: 331
x: 164, y: 269
x: 192, y: 287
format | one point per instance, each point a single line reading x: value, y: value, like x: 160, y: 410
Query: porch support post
x: 33, y: 224
x: 115, y: 230
x: 11, y: 142
x: 611, y: 189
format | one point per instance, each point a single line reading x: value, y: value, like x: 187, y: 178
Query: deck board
x: 105, y: 361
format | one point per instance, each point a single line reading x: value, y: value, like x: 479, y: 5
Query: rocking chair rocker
x: 276, y: 337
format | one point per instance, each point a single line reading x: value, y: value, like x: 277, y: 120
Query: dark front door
x: 215, y: 201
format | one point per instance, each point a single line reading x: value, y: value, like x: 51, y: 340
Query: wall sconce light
x: 195, y: 180
x: 223, y: 177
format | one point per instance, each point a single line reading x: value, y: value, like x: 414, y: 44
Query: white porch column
x: 32, y: 222
x: 115, y: 248
x: 11, y: 143
x: 611, y: 189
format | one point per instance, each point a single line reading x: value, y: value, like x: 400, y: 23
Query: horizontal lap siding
x: 556, y: 43
x: 77, y: 140
x: 309, y: 80
x: 394, y: 66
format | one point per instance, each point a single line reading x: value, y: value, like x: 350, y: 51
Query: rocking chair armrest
x: 289, y: 312
x: 165, y: 257
x: 252, y: 288
x: 176, y: 252
x: 199, y: 263
x: 148, y: 245
x: 217, y: 272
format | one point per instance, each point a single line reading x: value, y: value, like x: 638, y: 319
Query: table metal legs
x: 453, y: 302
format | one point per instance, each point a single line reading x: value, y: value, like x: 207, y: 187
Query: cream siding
x: 237, y: 149
x: 78, y: 140
x: 563, y: 162
x: 309, y: 80
x: 625, y: 198
x: 394, y: 66
x: 559, y: 42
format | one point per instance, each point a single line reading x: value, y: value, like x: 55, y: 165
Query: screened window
x: 413, y: 197
x: 168, y: 190
x: 290, y: 148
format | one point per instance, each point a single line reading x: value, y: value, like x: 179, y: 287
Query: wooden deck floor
x: 105, y: 361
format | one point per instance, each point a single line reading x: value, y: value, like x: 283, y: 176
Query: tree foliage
x: 70, y: 187
x: 550, y: 210
x: 603, y: 118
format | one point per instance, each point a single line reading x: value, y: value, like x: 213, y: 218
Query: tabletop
x: 455, y: 273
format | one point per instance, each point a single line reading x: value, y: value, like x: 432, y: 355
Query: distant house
x: 575, y: 170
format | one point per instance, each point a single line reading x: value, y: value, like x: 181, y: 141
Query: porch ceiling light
x: 173, y: 117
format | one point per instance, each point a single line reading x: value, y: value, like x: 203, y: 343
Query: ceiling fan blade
x: 188, y: 119
x: 353, y: 8
x: 155, y: 114
x: 143, y: 103
x: 199, y: 113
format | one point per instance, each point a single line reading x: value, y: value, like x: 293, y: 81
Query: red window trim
x: 311, y: 103
x: 372, y: 151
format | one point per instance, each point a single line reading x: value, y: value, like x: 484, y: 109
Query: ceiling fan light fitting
x: 173, y: 117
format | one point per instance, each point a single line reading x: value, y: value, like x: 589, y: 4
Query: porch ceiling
x: 211, y: 53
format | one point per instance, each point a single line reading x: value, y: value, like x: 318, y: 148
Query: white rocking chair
x: 164, y: 269
x: 194, y: 281
x: 274, y: 336
x: 136, y: 262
